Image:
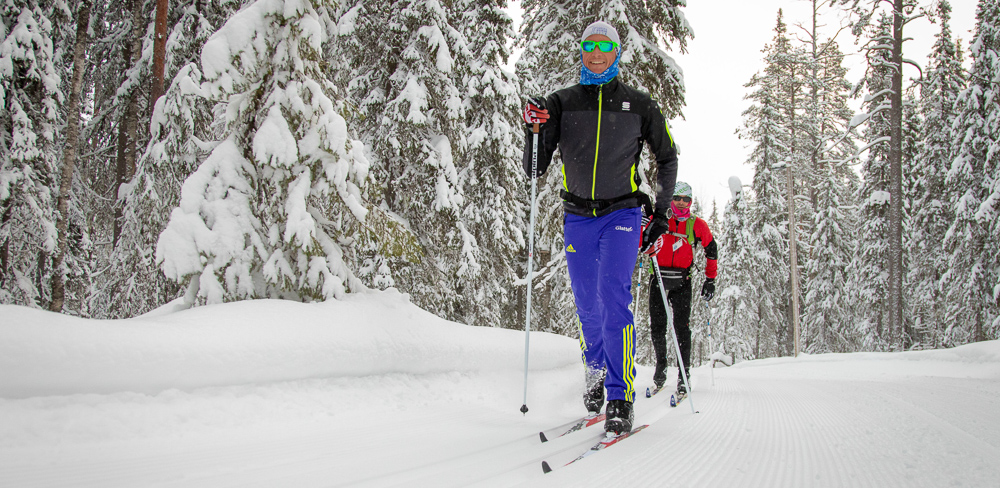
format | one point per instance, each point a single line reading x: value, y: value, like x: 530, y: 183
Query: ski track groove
x: 803, y: 436
x: 232, y: 458
x: 523, y: 465
x: 796, y: 438
x: 807, y: 440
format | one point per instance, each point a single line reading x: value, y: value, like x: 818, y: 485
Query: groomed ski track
x: 371, y: 391
x: 771, y: 423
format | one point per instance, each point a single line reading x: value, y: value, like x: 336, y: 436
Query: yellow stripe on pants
x: 628, y: 362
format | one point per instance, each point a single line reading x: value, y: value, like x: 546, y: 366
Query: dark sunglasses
x: 604, y: 46
x: 678, y: 198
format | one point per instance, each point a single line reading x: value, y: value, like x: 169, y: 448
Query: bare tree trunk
x: 69, y: 157
x: 127, y: 131
x: 159, y: 52
x: 8, y: 212
x: 896, y: 333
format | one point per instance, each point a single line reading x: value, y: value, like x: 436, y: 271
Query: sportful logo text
x: 626, y: 229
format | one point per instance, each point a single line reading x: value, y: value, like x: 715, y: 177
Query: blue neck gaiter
x: 588, y: 77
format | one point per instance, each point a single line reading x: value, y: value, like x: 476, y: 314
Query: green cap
x: 682, y: 189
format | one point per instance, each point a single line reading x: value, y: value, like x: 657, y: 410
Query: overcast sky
x: 725, y: 54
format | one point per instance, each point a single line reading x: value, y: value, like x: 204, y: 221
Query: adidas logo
x: 570, y: 248
x: 626, y: 229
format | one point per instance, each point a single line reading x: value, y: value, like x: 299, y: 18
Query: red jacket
x: 676, y: 252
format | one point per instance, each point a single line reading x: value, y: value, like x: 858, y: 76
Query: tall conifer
x: 933, y: 210
x: 973, y: 277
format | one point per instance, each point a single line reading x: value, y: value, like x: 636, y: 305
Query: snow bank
x: 978, y: 361
x: 371, y: 333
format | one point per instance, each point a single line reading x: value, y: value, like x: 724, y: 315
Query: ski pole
x: 670, y: 327
x: 531, y: 252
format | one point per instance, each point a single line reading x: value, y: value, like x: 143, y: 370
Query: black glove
x: 708, y: 289
x: 651, y: 235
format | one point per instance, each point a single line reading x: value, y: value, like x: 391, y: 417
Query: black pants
x: 680, y: 303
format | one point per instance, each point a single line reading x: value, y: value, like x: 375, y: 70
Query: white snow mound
x: 371, y: 333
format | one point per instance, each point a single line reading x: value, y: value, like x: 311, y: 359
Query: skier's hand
x: 708, y: 289
x: 534, y: 114
x: 652, y: 236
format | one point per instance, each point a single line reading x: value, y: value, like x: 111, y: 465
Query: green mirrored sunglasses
x: 604, y: 46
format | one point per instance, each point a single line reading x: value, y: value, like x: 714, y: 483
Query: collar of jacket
x: 607, y: 87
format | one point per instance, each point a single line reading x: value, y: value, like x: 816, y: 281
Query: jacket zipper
x: 597, y: 147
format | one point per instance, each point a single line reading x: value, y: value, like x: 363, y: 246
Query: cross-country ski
x: 605, y: 443
x: 569, y: 428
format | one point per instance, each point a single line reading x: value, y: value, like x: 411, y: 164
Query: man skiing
x: 600, y: 126
x: 674, y: 253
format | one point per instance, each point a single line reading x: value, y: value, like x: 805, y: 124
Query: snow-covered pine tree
x: 30, y: 96
x: 826, y: 111
x: 869, y: 278
x: 550, y: 37
x: 895, y: 14
x: 789, y: 68
x: 933, y: 208
x: 814, y: 127
x: 113, y: 106
x: 713, y: 217
x: 913, y: 176
x: 826, y: 310
x: 402, y: 76
x: 827, y: 317
x: 737, y: 328
x: 489, y: 168
x: 276, y: 208
x: 768, y: 125
x: 179, y: 130
x: 972, y: 282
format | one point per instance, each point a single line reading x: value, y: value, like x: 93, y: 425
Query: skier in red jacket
x: 674, y: 253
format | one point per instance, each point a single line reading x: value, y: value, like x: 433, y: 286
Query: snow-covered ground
x: 373, y: 391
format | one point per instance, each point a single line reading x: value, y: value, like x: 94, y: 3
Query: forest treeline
x: 222, y: 150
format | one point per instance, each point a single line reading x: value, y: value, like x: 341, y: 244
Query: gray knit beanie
x: 602, y: 28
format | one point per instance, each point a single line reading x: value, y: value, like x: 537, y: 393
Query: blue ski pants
x: 600, y: 255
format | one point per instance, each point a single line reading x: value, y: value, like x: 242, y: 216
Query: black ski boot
x: 618, y: 417
x: 681, y: 388
x: 593, y: 399
x: 660, y: 374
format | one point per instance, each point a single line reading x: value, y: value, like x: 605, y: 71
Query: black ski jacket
x: 600, y: 130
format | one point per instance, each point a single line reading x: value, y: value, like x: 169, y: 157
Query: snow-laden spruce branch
x: 246, y: 225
